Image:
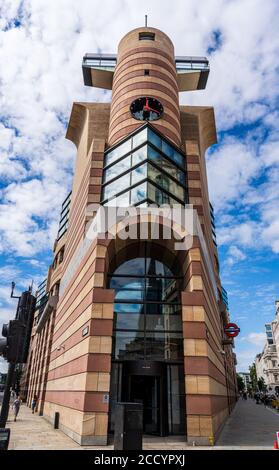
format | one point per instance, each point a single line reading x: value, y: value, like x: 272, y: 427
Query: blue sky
x: 41, y: 49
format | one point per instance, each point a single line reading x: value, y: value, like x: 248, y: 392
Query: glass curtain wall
x: 148, y: 327
x: 144, y: 169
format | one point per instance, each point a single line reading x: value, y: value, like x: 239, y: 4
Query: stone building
x: 267, y: 362
x: 123, y: 319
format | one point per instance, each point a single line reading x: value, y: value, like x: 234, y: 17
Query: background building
x: 275, y: 328
x: 136, y: 320
x: 267, y: 362
x: 246, y: 379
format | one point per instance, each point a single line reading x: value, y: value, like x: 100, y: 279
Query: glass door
x: 146, y: 390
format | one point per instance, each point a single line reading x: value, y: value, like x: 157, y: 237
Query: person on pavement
x: 16, y: 406
x: 34, y: 403
x: 257, y: 398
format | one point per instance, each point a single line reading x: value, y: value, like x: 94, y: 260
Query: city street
x: 250, y: 426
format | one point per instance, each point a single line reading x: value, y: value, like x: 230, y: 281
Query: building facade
x: 275, y: 328
x: 267, y: 362
x: 120, y: 319
x: 246, y: 379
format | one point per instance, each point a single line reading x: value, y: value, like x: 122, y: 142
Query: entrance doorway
x: 147, y: 350
x: 146, y: 390
x: 158, y: 386
x: 145, y: 382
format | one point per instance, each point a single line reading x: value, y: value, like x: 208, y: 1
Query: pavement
x: 250, y: 426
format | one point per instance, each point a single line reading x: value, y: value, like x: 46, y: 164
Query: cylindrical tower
x: 145, y: 68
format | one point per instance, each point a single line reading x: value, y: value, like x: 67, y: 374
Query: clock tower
x: 145, y: 68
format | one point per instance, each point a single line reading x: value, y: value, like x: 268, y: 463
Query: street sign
x: 232, y: 330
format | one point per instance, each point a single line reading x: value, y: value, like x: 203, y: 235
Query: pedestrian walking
x: 16, y: 406
x: 257, y: 398
x: 34, y: 404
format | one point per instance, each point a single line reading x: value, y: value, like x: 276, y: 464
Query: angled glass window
x: 139, y: 193
x: 123, y: 200
x: 125, y: 168
x: 166, y: 148
x: 115, y: 187
x: 118, y: 152
x: 140, y: 138
x: 155, y: 139
x: 165, y: 182
x: 166, y: 165
x: 160, y: 197
x: 139, y: 173
x: 139, y: 155
x: 117, y: 169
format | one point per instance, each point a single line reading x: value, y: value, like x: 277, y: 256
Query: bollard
x: 56, y: 420
x: 128, y: 426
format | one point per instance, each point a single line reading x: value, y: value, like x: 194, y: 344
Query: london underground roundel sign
x: 232, y: 330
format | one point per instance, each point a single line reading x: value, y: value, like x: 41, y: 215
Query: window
x: 138, y: 194
x: 64, y: 217
x: 61, y: 255
x: 147, y: 311
x: 144, y: 157
x: 118, y: 168
x: 146, y: 36
x: 118, y: 152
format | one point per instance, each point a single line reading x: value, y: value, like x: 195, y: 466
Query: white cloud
x: 258, y: 339
x: 235, y: 255
x: 230, y: 169
x: 245, y: 358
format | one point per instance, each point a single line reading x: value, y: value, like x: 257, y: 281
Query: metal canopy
x: 98, y: 70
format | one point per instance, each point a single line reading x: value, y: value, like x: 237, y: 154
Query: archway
x: 147, y: 355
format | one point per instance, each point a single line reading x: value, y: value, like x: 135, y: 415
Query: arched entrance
x: 147, y: 355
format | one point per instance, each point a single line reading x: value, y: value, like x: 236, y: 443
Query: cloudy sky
x: 41, y: 48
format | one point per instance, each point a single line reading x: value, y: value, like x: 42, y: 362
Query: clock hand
x: 147, y: 108
x: 154, y: 110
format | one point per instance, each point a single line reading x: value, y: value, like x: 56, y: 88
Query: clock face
x: 146, y: 109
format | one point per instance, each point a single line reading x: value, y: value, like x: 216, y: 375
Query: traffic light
x: 13, y: 332
x: 3, y: 341
x: 16, y: 334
